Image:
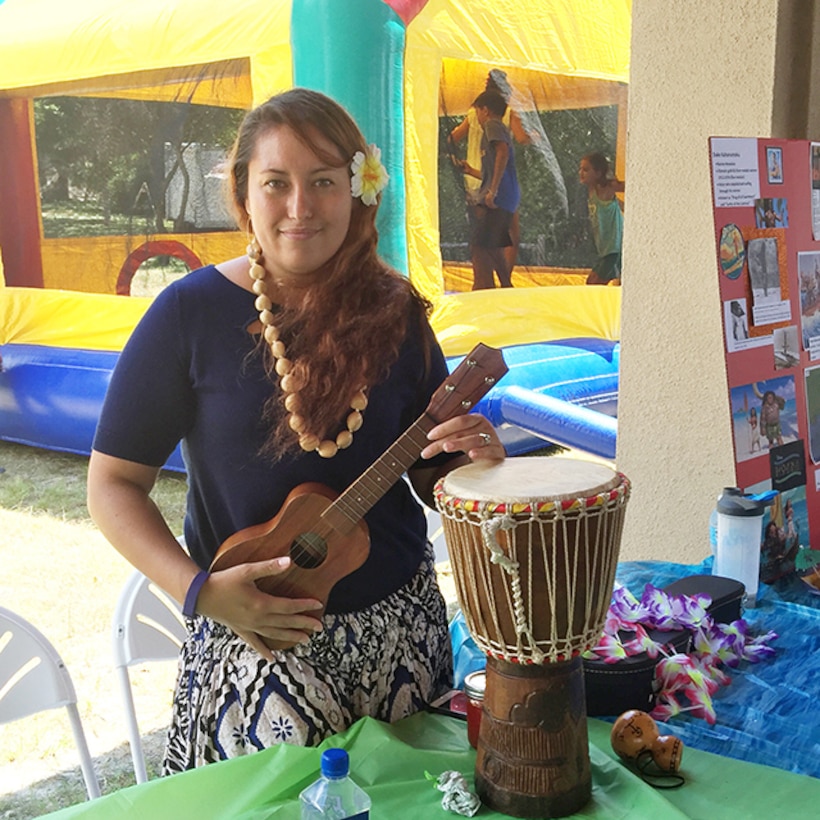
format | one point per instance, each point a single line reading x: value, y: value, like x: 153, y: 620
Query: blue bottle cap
x: 335, y: 763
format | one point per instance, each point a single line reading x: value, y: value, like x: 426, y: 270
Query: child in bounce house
x: 605, y: 216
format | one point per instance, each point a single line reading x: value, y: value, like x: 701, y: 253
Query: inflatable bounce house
x: 76, y: 231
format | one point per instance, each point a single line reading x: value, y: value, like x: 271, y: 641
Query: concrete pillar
x: 699, y: 68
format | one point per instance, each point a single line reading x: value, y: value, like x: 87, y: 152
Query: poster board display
x: 766, y: 198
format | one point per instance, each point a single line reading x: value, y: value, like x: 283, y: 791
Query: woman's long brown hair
x: 347, y: 331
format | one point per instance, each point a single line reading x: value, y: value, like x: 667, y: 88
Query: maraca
x: 635, y: 736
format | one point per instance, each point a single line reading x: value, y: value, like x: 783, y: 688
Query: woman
x: 301, y: 362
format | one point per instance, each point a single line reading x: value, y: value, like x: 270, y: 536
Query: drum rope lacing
x: 529, y: 647
x: 489, y: 528
x: 577, y: 540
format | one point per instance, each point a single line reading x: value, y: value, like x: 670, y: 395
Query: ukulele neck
x: 352, y: 505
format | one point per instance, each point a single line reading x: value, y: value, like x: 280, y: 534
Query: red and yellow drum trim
x: 604, y: 499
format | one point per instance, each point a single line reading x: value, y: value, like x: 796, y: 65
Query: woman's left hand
x: 471, y: 434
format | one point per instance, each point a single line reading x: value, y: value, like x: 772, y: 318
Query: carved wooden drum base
x: 533, y: 753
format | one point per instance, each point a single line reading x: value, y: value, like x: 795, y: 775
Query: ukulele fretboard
x: 350, y: 507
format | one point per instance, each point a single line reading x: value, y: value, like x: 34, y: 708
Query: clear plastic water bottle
x: 713, y: 517
x: 334, y: 796
x: 713, y: 531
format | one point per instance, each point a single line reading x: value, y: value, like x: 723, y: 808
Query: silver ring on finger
x: 486, y: 439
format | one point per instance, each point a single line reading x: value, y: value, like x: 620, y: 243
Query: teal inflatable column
x: 353, y: 51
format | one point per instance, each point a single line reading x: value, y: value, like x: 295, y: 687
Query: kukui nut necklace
x: 288, y: 383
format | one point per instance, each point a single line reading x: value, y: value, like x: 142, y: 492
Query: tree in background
x: 102, y: 162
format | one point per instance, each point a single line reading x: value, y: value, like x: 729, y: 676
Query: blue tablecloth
x: 770, y: 712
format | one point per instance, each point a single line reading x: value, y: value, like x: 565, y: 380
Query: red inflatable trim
x: 159, y: 247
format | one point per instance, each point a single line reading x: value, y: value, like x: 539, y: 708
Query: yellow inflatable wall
x: 209, y: 51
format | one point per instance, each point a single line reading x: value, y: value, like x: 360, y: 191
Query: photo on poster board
x: 764, y: 270
x: 784, y: 535
x: 815, y: 166
x: 736, y: 325
x: 768, y: 265
x: 808, y: 272
x: 772, y: 212
x: 792, y: 552
x: 812, y: 377
x: 786, y: 347
x: 764, y: 416
x: 774, y: 165
x: 732, y: 251
x: 739, y: 322
x: 784, y: 543
x: 815, y: 189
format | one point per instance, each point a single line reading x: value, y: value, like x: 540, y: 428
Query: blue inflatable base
x: 562, y: 392
x: 51, y: 397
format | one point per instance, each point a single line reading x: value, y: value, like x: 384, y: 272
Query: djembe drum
x: 534, y: 546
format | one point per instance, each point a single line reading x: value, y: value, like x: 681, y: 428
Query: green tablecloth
x: 390, y: 762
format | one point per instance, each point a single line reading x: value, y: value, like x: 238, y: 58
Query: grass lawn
x: 61, y: 574
x: 64, y: 577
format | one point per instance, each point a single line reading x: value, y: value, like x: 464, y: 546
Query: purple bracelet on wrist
x: 189, y: 607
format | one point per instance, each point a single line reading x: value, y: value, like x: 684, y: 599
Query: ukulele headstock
x: 474, y: 377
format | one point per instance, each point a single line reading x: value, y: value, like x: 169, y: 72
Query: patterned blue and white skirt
x: 386, y: 662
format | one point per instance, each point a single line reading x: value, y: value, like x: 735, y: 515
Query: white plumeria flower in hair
x: 369, y: 175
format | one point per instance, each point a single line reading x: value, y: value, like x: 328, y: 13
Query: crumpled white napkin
x: 457, y: 795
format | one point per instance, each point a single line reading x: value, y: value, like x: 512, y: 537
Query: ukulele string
x: 354, y: 502
x: 301, y: 555
x: 360, y: 496
x: 357, y: 499
x: 365, y: 492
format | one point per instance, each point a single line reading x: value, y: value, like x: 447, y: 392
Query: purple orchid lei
x: 687, y: 681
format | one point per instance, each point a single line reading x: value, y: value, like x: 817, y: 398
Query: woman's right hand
x: 119, y: 500
x: 231, y: 597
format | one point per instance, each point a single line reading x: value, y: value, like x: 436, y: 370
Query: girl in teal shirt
x: 606, y: 217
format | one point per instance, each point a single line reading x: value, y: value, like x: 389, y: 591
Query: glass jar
x: 474, y: 685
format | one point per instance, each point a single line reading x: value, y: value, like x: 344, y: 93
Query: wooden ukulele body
x: 325, y: 533
x: 322, y: 553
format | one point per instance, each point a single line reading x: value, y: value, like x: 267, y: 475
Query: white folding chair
x: 435, y: 529
x: 435, y: 535
x: 33, y: 678
x: 148, y: 626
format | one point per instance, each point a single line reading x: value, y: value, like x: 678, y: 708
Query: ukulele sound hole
x: 308, y: 550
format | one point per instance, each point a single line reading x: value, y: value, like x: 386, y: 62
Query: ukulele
x: 325, y: 533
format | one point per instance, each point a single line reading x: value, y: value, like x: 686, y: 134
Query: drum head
x: 525, y: 479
